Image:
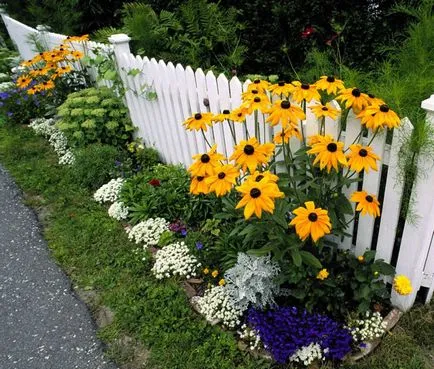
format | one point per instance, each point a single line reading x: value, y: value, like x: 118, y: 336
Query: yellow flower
x: 259, y: 85
x: 311, y: 221
x: 250, y: 94
x: 326, y: 110
x: 205, y: 163
x: 76, y: 38
x: 258, y: 197
x: 215, y: 273
x: 222, y: 282
x: 46, y: 85
x: 198, y: 185
x: 199, y: 121
x: 314, y: 139
x: 285, y: 113
x: 76, y: 54
x: 322, y: 274
x: 27, y: 63
x: 32, y: 90
x: 225, y: 114
x: 328, y: 153
x: 281, y: 89
x: 375, y: 100
x: 330, y: 84
x: 62, y: 70
x: 224, y: 177
x: 362, y: 158
x: 376, y: 274
x: 304, y: 91
x: 286, y: 134
x: 353, y: 98
x: 402, y: 285
x: 249, y: 154
x: 361, y: 258
x: 260, y: 102
x: 238, y: 115
x: 205, y: 271
x: 23, y: 81
x: 366, y: 203
x: 376, y: 116
x: 265, y: 176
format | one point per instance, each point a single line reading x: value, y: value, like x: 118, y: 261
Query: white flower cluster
x: 6, y: 86
x: 217, y: 304
x: 56, y: 138
x: 368, y: 328
x: 175, y: 259
x: 306, y: 355
x: 118, y: 210
x: 148, y: 232
x: 250, y: 336
x: 110, y: 191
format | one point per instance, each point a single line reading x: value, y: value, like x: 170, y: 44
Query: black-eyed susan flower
x: 250, y: 154
x: 76, y: 54
x: 225, y: 114
x: 311, y: 221
x: 285, y: 113
x: 260, y: 102
x: 367, y: 204
x: 265, y: 176
x: 328, y: 153
x: 402, y: 285
x: 205, y: 163
x: 330, y: 84
x: 377, y: 116
x: 322, y: 274
x: 285, y: 135
x: 238, y: 115
x: 314, y: 139
x: 62, y: 70
x: 251, y: 94
x: 27, y: 63
x: 258, y: 84
x: 76, y: 38
x: 304, y: 91
x: 223, y: 179
x: 362, y: 158
x: 46, y: 85
x: 353, y: 98
x: 322, y: 111
x: 32, y: 90
x: 258, y: 197
x: 281, y: 88
x: 199, y: 121
x: 198, y: 185
x: 375, y: 100
x: 23, y: 81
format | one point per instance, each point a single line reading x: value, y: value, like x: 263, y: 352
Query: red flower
x: 154, y: 182
x: 331, y: 39
x: 308, y: 31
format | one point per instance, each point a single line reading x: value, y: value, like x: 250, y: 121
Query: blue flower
x: 183, y: 232
x: 9, y: 113
x: 199, y: 245
x: 4, y: 95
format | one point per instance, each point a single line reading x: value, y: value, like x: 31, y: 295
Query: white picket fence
x: 182, y: 92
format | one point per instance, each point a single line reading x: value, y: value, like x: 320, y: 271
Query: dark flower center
x: 257, y: 81
x: 356, y: 92
x: 369, y: 198
x: 226, y: 111
x: 332, y: 147
x: 259, y: 178
x: 285, y: 104
x: 221, y: 175
x: 254, y: 92
x: 330, y: 79
x: 53, y: 55
x: 313, y: 217
x: 281, y: 83
x: 200, y: 178
x: 41, y: 54
x: 240, y: 114
x: 249, y: 150
x: 205, y: 158
x: 198, y: 116
x: 325, y: 108
x: 257, y: 99
x: 363, y: 153
x: 305, y: 86
x: 384, y: 108
x: 255, y: 193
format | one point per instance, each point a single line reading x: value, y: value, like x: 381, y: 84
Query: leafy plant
x: 95, y: 115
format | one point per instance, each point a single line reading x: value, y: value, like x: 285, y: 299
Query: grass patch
x: 97, y: 255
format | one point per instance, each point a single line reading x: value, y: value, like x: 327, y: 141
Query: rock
x: 189, y: 290
x: 104, y: 316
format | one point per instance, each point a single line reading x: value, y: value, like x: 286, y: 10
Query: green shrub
x: 94, y: 165
x: 8, y: 60
x: 95, y: 115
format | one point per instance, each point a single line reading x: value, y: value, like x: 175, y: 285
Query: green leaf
x: 134, y: 72
x: 383, y: 267
x: 360, y: 276
x: 296, y: 257
x: 310, y: 259
x: 110, y: 75
x: 260, y: 252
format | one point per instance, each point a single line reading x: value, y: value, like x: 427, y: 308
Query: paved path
x: 42, y: 323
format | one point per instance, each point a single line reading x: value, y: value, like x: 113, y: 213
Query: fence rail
x: 182, y: 92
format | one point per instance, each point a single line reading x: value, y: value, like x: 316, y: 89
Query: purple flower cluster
x: 287, y: 329
x: 178, y: 227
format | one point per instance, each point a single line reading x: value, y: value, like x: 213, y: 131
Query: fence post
x: 120, y: 44
x: 416, y: 238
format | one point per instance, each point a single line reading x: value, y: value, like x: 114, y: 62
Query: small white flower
x: 368, y: 328
x: 67, y: 159
x: 110, y: 191
x: 307, y: 354
x: 118, y: 210
x: 148, y: 232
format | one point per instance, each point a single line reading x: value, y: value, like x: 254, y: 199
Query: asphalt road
x: 42, y: 322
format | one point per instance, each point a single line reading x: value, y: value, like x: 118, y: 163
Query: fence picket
x: 225, y: 104
x: 236, y: 89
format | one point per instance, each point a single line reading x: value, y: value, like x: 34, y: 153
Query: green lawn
x: 94, y: 250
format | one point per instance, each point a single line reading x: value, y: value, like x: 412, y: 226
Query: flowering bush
x: 110, y: 191
x: 370, y: 327
x: 175, y: 260
x: 286, y: 330
x: 148, y: 232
